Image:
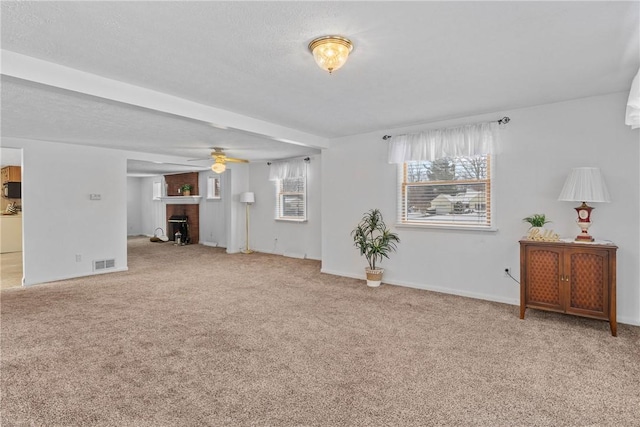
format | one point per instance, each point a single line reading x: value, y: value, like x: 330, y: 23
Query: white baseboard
x: 288, y: 254
x: 295, y: 255
x: 74, y: 276
x: 211, y: 244
x: 629, y: 321
x: 426, y: 287
x: 511, y: 301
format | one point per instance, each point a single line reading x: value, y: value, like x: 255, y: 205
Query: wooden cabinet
x: 11, y: 174
x: 571, y: 278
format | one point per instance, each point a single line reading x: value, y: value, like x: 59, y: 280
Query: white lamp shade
x: 584, y: 185
x: 247, y: 197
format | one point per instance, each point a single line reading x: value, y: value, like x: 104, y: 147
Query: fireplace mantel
x: 181, y: 200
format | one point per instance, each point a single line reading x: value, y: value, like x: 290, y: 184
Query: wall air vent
x: 104, y: 264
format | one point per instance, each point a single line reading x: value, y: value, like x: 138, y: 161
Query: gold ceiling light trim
x: 331, y: 52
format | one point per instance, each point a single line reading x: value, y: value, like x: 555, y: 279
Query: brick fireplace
x: 192, y: 211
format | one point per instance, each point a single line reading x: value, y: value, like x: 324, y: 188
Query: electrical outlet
x: 507, y: 272
x: 78, y: 258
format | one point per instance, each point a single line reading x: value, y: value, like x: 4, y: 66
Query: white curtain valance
x: 464, y: 141
x: 287, y: 169
x: 633, y: 104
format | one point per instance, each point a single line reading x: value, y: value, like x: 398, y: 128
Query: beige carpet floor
x: 193, y: 336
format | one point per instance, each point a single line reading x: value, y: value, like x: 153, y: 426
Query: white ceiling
x: 413, y: 62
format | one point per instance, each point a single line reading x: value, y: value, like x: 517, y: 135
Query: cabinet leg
x: 522, y: 309
x: 614, y: 327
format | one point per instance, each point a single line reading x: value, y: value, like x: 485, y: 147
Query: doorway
x: 11, y: 226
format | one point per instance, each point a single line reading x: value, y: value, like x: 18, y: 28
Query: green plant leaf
x: 373, y: 239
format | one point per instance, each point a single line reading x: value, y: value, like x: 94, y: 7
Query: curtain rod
x: 306, y: 159
x: 502, y: 121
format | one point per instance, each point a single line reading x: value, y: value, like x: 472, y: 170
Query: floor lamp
x: 247, y: 198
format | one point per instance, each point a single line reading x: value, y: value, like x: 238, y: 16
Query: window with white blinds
x: 291, y: 203
x: 450, y: 191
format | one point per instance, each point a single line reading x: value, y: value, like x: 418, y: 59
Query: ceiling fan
x: 220, y: 160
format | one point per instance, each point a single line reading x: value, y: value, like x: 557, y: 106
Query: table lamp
x: 584, y: 185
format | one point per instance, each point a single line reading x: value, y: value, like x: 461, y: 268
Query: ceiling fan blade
x: 200, y: 159
x: 232, y: 160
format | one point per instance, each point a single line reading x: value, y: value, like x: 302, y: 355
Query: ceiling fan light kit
x: 220, y: 160
x: 331, y: 52
x: 218, y: 167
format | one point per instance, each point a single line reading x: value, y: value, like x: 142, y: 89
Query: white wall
x: 539, y: 147
x: 153, y: 213
x: 59, y: 220
x: 285, y: 237
x: 134, y: 206
x: 213, y: 212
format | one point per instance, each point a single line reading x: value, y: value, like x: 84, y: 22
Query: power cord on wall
x: 508, y: 273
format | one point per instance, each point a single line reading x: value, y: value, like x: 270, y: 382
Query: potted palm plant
x: 375, y: 241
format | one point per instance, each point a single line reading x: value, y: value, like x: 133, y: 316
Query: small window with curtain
x: 444, y: 176
x: 292, y: 199
x: 291, y: 189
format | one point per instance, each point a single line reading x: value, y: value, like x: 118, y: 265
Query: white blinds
x: 287, y: 169
x: 464, y: 141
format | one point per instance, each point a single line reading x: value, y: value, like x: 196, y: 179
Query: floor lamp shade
x: 247, y: 198
x: 584, y: 185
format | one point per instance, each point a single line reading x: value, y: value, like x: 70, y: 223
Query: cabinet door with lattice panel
x: 544, y: 269
x: 588, y: 292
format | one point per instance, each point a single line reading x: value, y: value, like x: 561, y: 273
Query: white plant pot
x: 374, y: 277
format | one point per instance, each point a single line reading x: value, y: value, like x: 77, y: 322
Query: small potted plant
x: 375, y: 241
x: 536, y: 220
x: 186, y: 189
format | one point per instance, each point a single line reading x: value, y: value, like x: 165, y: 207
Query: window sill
x: 213, y: 198
x: 291, y: 220
x: 448, y: 227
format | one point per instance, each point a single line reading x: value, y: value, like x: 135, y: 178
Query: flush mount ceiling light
x: 330, y: 52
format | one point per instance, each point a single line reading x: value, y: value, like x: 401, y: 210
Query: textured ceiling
x: 73, y: 118
x: 413, y: 62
